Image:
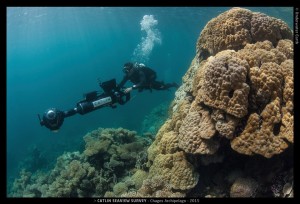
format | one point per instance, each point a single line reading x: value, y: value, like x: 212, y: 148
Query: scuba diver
x: 54, y: 118
x: 143, y: 78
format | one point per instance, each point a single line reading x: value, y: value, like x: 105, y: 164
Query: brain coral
x: 236, y: 28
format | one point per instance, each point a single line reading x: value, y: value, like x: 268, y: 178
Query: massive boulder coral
x: 169, y: 143
x: 176, y: 170
x: 257, y: 83
x: 237, y: 27
x: 244, y: 94
x: 264, y: 27
x: 238, y: 87
x: 224, y: 86
x: 261, y: 136
x: 196, y: 132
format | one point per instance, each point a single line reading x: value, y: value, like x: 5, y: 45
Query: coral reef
x: 229, y: 132
x: 238, y: 93
x: 110, y: 155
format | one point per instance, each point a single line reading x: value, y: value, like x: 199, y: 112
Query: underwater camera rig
x: 54, y: 118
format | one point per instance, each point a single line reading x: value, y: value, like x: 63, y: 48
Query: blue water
x: 54, y: 55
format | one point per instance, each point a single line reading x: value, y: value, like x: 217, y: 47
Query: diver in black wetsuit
x: 143, y: 78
